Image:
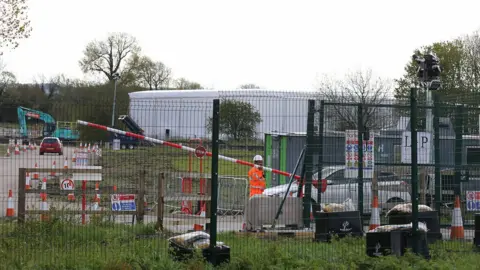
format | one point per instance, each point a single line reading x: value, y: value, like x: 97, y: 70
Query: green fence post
x: 320, y: 150
x: 360, y: 131
x: 308, y: 163
x: 214, y: 191
x: 414, y: 166
x: 436, y: 145
x: 458, y: 148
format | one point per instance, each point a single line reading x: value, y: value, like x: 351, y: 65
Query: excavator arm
x: 23, y: 113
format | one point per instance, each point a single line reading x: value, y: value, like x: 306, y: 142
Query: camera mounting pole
x: 429, y: 76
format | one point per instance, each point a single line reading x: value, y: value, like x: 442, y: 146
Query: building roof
x: 209, y: 93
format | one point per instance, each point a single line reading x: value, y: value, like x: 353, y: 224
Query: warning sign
x: 81, y: 159
x: 123, y: 202
x: 473, y: 200
x: 200, y: 151
x: 67, y: 184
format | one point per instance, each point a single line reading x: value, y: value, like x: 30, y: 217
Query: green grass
x: 3, y: 150
x: 58, y: 245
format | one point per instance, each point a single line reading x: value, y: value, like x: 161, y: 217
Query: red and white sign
x: 33, y: 115
x: 67, y: 184
x: 200, y: 151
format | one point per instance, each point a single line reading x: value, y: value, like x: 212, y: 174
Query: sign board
x: 86, y: 175
x: 473, y: 200
x: 67, y: 184
x: 123, y: 202
x: 81, y: 159
x: 351, y: 155
x: 423, y: 147
x: 200, y: 151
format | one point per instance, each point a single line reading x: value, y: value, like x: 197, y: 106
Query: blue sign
x: 473, y: 200
x: 124, y: 202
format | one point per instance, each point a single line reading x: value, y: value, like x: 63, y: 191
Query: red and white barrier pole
x: 179, y: 146
x: 190, y: 149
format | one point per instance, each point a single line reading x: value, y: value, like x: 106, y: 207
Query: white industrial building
x: 185, y: 113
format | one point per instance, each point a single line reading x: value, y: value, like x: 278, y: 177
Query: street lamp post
x: 116, y: 76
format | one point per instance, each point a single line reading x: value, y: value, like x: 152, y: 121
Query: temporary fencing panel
x: 232, y: 194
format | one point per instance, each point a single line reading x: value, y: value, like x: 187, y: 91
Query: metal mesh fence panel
x: 80, y: 186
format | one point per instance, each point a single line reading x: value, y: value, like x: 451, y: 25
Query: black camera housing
x: 429, y: 69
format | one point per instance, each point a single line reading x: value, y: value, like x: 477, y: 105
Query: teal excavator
x: 65, y: 131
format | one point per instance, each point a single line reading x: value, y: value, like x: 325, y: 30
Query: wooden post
x: 21, y: 195
x: 160, y: 206
x: 141, y: 197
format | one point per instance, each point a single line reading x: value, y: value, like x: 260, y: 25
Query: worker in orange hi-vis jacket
x: 256, y: 177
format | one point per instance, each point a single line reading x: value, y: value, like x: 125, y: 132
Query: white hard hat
x: 257, y: 158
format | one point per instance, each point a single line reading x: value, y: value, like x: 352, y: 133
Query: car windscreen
x: 50, y: 141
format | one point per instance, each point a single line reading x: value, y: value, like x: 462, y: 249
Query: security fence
x: 155, y: 173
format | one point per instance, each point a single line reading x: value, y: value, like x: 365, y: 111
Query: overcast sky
x: 222, y: 44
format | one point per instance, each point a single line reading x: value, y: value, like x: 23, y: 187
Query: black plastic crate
x: 430, y: 218
x: 476, y: 238
x: 221, y: 254
x: 394, y: 243
x: 337, y: 223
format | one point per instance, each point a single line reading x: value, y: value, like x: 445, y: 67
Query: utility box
x: 261, y: 210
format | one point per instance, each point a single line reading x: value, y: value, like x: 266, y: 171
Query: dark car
x: 51, y: 145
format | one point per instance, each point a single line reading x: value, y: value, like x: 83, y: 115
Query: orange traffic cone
x: 43, y: 194
x: 24, y: 148
x: 10, y: 206
x: 71, y: 197
x: 456, y: 231
x: 36, y: 176
x: 74, y: 157
x: 65, y: 164
x: 202, y: 213
x: 44, y: 207
x: 375, y: 216
x: 96, y: 199
x: 17, y: 150
x: 53, y: 167
x: 27, y: 181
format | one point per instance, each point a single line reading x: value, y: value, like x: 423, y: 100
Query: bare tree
x: 356, y: 88
x: 249, y: 86
x: 152, y: 74
x: 14, y: 22
x: 7, y: 79
x: 107, y: 57
x: 184, y: 84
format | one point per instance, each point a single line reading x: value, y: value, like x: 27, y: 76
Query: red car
x: 51, y: 145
